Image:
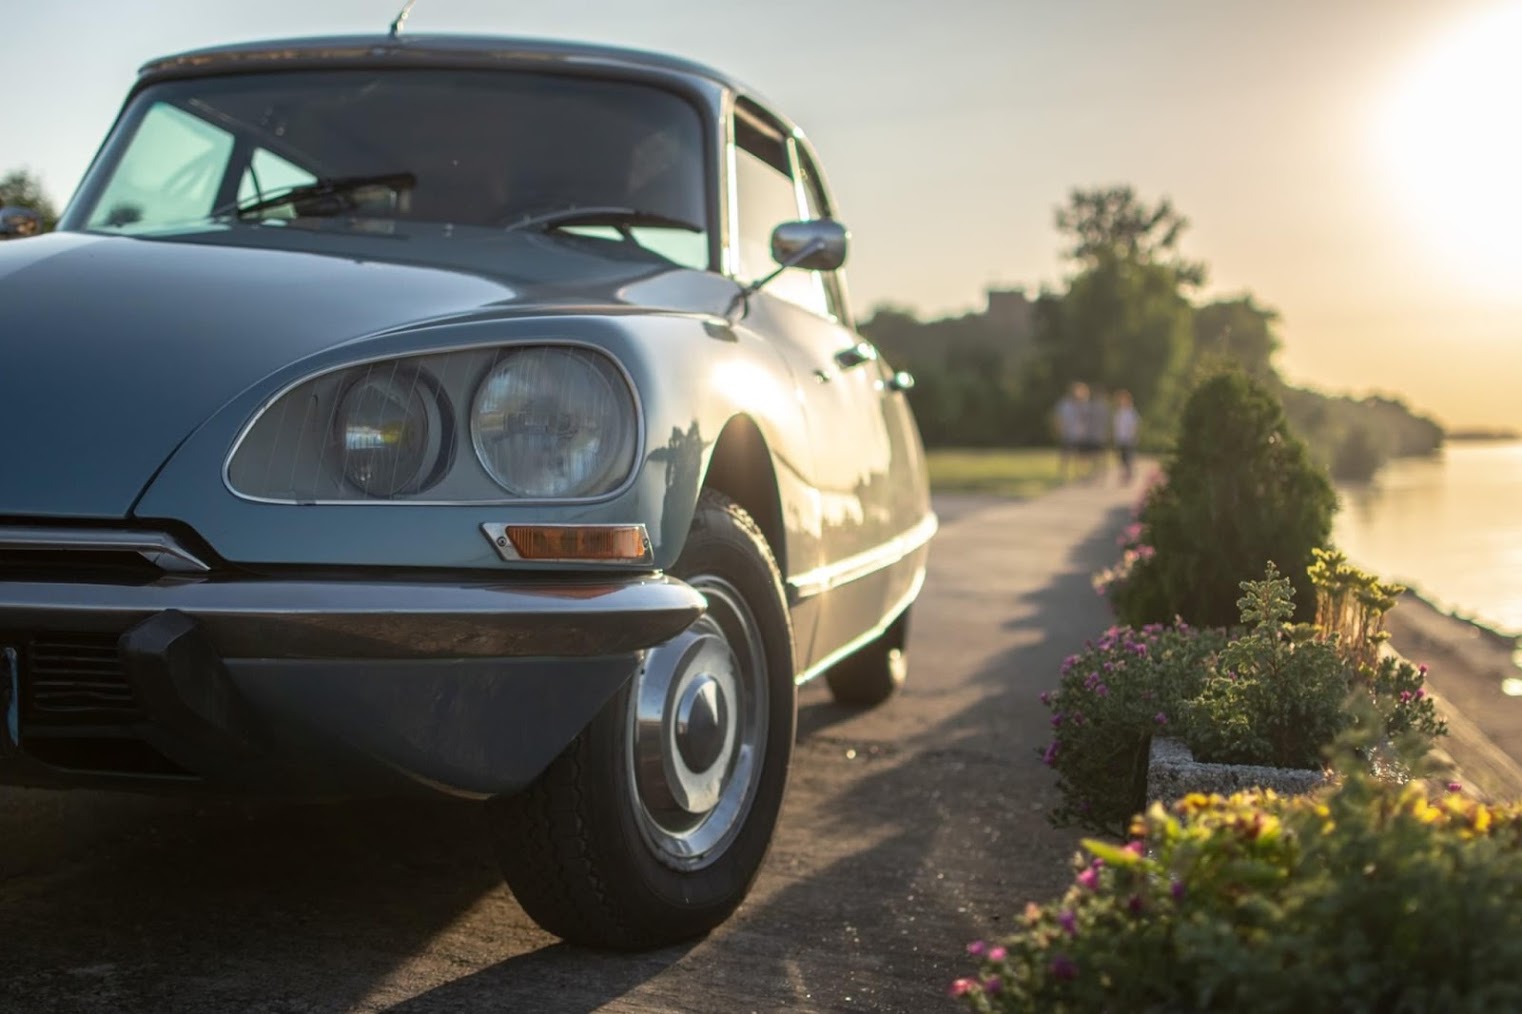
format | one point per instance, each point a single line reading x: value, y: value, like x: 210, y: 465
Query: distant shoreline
x: 1482, y: 436
x: 1500, y: 638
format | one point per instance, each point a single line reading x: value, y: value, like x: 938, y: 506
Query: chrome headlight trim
x: 475, y: 346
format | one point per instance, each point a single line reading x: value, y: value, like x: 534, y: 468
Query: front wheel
x: 653, y: 823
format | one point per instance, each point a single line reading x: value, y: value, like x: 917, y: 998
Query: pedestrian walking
x: 1073, y: 421
x: 1125, y: 424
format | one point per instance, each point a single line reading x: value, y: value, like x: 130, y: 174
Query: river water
x: 1450, y: 527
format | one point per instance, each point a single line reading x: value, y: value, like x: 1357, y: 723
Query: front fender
x: 693, y: 374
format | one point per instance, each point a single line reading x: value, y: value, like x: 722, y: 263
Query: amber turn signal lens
x: 571, y: 542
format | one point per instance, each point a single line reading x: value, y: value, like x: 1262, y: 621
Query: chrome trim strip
x: 623, y: 487
x: 380, y: 619
x: 867, y: 638
x: 157, y: 548
x: 496, y: 533
x: 853, y: 568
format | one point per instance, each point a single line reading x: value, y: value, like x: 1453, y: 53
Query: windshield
x: 475, y: 149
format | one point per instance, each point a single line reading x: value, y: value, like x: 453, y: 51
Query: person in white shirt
x: 1124, y: 425
x: 1073, y: 424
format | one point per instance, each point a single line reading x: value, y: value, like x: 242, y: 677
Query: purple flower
x: 1177, y: 890
x: 1455, y: 787
x: 1089, y: 878
x: 993, y: 984
x: 1102, y: 691
x: 1136, y: 848
x: 975, y: 948
x: 1050, y: 756
x: 1420, y: 693
x: 1069, y: 662
x: 1064, y: 968
x: 1056, y: 719
x: 1405, y: 697
x: 1046, y: 697
x: 1422, y: 669
x: 997, y: 954
x: 1160, y: 718
x: 1068, y: 920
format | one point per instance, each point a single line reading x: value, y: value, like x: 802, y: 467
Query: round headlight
x: 391, y: 431
x: 554, y: 422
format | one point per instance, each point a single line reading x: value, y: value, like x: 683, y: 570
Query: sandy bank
x: 1467, y: 666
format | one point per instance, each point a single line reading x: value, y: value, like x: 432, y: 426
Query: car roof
x: 453, y: 50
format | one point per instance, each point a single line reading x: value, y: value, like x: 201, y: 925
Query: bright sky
x: 1353, y: 163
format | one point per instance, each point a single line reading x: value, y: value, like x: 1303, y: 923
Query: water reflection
x: 1448, y: 526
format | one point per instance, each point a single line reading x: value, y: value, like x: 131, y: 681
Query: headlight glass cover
x: 545, y: 421
x: 553, y: 422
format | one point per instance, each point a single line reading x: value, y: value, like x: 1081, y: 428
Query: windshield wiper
x: 335, y: 186
x: 622, y: 219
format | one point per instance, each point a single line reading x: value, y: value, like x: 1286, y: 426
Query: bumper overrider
x: 347, y: 682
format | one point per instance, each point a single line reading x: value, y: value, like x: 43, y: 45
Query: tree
x: 1239, y: 332
x: 20, y: 188
x: 1124, y: 321
x: 1109, y: 224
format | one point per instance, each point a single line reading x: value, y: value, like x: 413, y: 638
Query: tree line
x: 1126, y: 317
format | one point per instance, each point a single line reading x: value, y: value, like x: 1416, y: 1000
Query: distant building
x: 1010, y: 310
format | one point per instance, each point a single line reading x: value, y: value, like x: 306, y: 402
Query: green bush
x: 1369, y: 898
x: 1274, y: 696
x: 1112, y: 698
x: 1238, y: 491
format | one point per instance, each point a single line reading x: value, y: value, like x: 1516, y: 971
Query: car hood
x: 114, y: 349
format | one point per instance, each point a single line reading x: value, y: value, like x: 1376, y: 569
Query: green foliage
x: 1110, y: 224
x: 1354, y: 437
x: 1237, y: 333
x: 1277, y: 694
x: 1369, y: 898
x: 1239, y: 490
x: 1112, y: 698
x: 1350, y: 609
x: 19, y: 188
x: 1274, y: 696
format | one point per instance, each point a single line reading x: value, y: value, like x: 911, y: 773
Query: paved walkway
x: 907, y: 830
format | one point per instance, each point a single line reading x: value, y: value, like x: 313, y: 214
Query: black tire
x: 875, y: 673
x: 575, y: 846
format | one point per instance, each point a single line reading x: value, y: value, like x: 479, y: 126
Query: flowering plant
x: 1112, y: 698
x: 1277, y: 694
x: 1371, y: 897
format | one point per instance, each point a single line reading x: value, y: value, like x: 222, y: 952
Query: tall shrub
x: 1240, y: 490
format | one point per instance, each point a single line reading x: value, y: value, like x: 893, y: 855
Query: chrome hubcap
x: 697, y: 730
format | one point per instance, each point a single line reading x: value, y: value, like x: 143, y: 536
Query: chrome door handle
x: 856, y: 355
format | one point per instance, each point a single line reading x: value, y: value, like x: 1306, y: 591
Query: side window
x: 766, y: 196
x: 168, y: 175
x: 818, y: 205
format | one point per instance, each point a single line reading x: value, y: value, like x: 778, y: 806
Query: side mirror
x: 16, y: 223
x: 824, y: 238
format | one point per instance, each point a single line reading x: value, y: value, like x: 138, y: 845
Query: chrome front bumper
x: 345, y: 682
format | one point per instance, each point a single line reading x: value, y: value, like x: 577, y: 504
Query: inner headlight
x: 554, y: 422
x: 390, y: 431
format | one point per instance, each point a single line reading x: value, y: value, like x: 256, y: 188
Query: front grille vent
x: 78, y: 677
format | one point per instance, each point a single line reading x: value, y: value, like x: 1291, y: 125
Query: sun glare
x: 1452, y: 142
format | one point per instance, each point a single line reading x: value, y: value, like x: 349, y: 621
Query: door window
x: 766, y: 196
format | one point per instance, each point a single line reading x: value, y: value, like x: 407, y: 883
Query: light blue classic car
x: 471, y: 415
